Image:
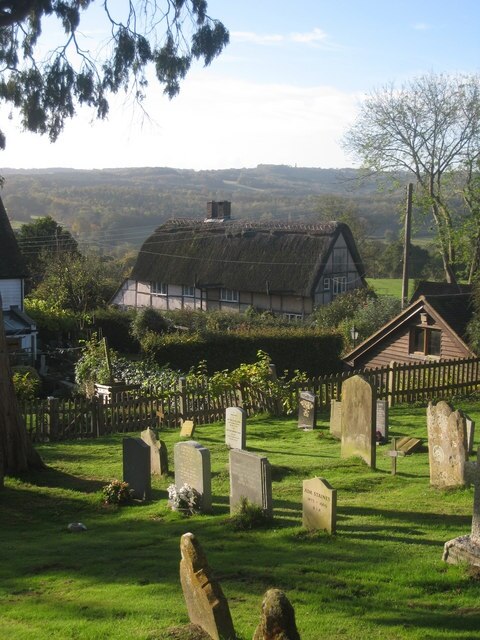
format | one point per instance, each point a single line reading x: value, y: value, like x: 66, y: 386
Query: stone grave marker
x: 277, y: 621
x: 307, y: 410
x: 206, y: 604
x: 136, y: 467
x: 192, y: 467
x: 336, y: 419
x: 319, y: 505
x: 158, y: 453
x: 359, y: 420
x: 382, y: 419
x: 187, y: 429
x: 235, y: 427
x: 470, y: 424
x: 447, y: 445
x: 466, y: 549
x: 251, y: 478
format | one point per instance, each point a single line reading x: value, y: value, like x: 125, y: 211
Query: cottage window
x: 187, y: 291
x: 293, y: 317
x: 158, y: 288
x: 326, y: 284
x: 425, y: 341
x: 339, y: 284
x: 228, y: 295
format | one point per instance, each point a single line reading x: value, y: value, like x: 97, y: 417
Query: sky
x: 284, y: 91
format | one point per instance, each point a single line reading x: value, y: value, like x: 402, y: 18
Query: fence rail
x: 55, y: 419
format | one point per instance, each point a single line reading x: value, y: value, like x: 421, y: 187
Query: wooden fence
x: 54, y: 419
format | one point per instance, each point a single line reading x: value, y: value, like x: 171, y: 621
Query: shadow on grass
x: 54, y: 478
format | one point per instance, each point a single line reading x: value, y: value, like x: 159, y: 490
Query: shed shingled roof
x: 278, y: 258
x: 12, y: 264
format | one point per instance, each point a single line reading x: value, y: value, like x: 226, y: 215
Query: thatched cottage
x: 219, y: 263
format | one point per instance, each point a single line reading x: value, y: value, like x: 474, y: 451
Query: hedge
x: 115, y: 327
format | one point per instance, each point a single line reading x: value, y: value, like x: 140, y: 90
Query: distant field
x: 388, y: 286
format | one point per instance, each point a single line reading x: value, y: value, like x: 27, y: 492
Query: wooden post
x: 182, y: 388
x: 391, y: 384
x: 53, y: 417
x: 107, y: 358
x: 406, y: 246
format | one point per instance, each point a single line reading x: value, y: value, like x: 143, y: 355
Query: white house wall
x: 335, y: 272
x: 11, y: 291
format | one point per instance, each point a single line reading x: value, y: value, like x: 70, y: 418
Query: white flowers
x: 186, y: 499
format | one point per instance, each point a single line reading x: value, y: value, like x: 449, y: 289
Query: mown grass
x: 390, y: 286
x: 380, y: 576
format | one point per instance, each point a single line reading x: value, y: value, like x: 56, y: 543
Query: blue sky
x: 283, y: 92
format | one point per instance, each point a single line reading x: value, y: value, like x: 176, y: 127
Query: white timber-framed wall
x: 339, y: 275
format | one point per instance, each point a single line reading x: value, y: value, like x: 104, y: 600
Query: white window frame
x: 293, y: 317
x: 188, y: 291
x: 339, y: 284
x: 326, y: 284
x: 228, y: 295
x: 158, y: 288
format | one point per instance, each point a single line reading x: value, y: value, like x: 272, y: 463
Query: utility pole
x: 406, y: 246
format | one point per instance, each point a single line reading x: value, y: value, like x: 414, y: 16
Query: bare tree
x: 429, y: 127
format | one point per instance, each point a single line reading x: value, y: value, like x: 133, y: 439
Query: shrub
x: 248, y: 515
x: 26, y: 382
x: 117, y: 492
x: 92, y: 365
x: 114, y: 324
x: 148, y: 320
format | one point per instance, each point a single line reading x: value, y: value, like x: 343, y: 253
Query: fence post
x: 276, y: 401
x: 98, y: 423
x: 182, y: 400
x: 53, y: 415
x: 391, y: 390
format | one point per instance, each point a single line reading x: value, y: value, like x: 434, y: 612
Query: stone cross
x: 394, y: 453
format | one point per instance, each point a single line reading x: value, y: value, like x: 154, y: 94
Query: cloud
x: 312, y: 37
x: 316, y: 37
x: 421, y: 26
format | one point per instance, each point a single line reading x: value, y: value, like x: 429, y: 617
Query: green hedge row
x: 115, y: 327
x: 302, y: 349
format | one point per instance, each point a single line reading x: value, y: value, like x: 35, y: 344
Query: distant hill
x: 119, y: 207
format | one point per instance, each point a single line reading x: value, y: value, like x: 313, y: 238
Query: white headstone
x: 235, y: 428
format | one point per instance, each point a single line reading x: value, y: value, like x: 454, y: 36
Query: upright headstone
x: 319, y: 505
x: 250, y: 477
x: 192, y: 467
x: 235, y: 427
x: 136, y: 467
x: 336, y: 419
x: 277, y: 621
x: 359, y: 411
x: 307, y: 410
x: 206, y: 605
x: 466, y: 549
x: 158, y: 453
x: 382, y: 419
x: 447, y: 445
x: 187, y: 429
x: 470, y: 424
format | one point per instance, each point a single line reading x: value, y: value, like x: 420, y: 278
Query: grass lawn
x: 381, y: 576
x: 390, y: 286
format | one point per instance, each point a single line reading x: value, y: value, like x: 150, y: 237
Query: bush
x: 117, y: 492
x: 248, y: 515
x: 148, y: 320
x: 26, y: 382
x: 92, y: 365
x: 114, y: 324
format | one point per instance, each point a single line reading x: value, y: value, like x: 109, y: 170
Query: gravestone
x: 187, y: 429
x: 447, y: 445
x: 158, y: 453
x: 470, y: 425
x: 319, y: 505
x: 307, y: 411
x: 466, y: 549
x: 359, y: 420
x: 277, y: 620
x: 192, y: 467
x: 206, y: 604
x: 136, y: 467
x: 235, y: 428
x: 336, y: 419
x: 250, y: 477
x: 382, y: 419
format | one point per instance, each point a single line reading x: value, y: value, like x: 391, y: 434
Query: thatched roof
x: 12, y: 264
x: 278, y: 258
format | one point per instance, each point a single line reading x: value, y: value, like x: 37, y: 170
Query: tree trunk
x: 16, y: 451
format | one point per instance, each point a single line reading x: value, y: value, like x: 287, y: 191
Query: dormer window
x: 425, y: 341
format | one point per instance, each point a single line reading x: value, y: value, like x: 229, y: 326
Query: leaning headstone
x: 136, y: 467
x: 250, y: 478
x: 206, y: 605
x: 466, y: 549
x: 235, y: 428
x: 192, y: 467
x: 277, y: 621
x: 447, y: 445
x: 336, y: 419
x: 158, y: 453
x: 382, y: 420
x: 470, y: 425
x: 307, y: 411
x: 359, y: 420
x: 319, y: 505
x: 187, y: 429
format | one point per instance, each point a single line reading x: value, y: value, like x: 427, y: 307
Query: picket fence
x: 57, y: 419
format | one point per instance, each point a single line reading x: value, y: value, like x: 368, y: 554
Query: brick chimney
x: 218, y: 211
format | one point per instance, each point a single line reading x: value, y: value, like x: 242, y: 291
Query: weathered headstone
x: 136, y: 467
x: 447, y: 445
x: 470, y: 425
x: 307, y: 410
x: 206, y: 604
x: 235, y: 427
x: 158, y: 453
x: 336, y: 419
x: 359, y: 410
x: 382, y: 419
x: 250, y: 477
x: 319, y: 505
x: 277, y: 621
x: 466, y: 549
x: 192, y: 467
x: 187, y: 429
